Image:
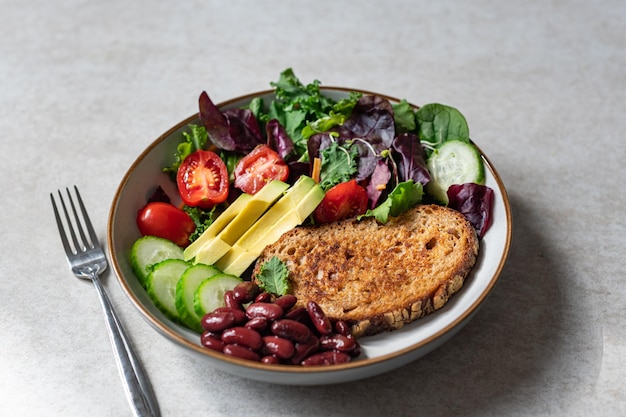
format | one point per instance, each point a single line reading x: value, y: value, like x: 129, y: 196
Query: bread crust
x: 379, y: 277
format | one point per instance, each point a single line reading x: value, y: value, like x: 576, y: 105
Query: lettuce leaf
x: 196, y: 138
x: 404, y: 196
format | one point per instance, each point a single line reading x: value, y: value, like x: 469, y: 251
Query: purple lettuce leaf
x: 233, y: 130
x: 378, y: 183
x: 279, y: 140
x: 411, y: 158
x: 475, y: 202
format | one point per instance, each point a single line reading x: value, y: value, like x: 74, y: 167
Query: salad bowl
x: 380, y: 353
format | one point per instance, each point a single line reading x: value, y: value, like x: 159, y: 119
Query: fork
x: 87, y: 261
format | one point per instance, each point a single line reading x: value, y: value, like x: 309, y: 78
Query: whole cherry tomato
x: 166, y: 221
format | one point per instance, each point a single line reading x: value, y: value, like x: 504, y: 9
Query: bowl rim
x: 352, y: 365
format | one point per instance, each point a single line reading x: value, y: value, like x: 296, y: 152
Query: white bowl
x: 380, y: 353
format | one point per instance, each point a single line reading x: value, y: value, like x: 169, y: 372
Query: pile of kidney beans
x: 258, y: 326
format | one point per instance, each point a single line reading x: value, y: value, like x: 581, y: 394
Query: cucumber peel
x: 148, y: 251
x: 161, y: 286
x: 210, y: 294
x: 186, y: 288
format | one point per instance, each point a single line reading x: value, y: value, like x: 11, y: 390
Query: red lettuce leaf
x: 475, y: 202
x: 411, y: 157
x: 232, y: 130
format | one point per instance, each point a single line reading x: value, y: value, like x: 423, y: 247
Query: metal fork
x: 87, y: 261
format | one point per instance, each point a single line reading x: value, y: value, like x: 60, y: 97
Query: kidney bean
x: 212, y: 341
x: 270, y: 360
x: 242, y: 352
x: 305, y: 349
x: 277, y: 346
x: 356, y: 352
x: 242, y: 336
x: 337, y: 342
x: 245, y: 292
x: 290, y: 329
x: 240, y: 315
x: 319, y: 318
x: 260, y: 309
x: 298, y: 314
x: 218, y: 321
x: 263, y: 297
x: 229, y: 300
x: 326, y: 358
x: 342, y: 327
x: 286, y: 301
x: 260, y: 324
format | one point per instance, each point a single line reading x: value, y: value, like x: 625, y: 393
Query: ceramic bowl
x: 380, y: 353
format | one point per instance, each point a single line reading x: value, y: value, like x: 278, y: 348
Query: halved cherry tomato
x: 202, y: 179
x: 166, y: 221
x: 344, y: 200
x: 258, y: 168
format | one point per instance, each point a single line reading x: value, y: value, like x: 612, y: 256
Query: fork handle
x: 136, y: 385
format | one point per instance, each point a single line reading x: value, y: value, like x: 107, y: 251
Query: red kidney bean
x: 260, y: 324
x: 342, y: 327
x: 286, y: 301
x: 218, y: 321
x: 260, y: 309
x: 241, y: 352
x: 242, y: 336
x: 270, y: 360
x: 277, y: 346
x: 240, y: 315
x: 305, y: 349
x: 319, y: 318
x: 263, y: 297
x: 291, y: 329
x: 337, y: 342
x: 245, y: 292
x: 298, y: 314
x: 356, y: 351
x: 211, y: 341
x: 326, y: 358
x: 229, y: 300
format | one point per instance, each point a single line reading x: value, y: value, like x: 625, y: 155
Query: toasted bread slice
x: 379, y: 277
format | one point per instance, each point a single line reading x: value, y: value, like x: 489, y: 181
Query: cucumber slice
x: 454, y: 162
x: 148, y: 251
x: 210, y: 294
x: 161, y: 286
x: 186, y: 289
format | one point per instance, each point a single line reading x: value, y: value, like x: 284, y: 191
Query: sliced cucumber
x: 454, y: 162
x: 150, y: 250
x: 186, y: 289
x: 161, y: 286
x: 210, y: 294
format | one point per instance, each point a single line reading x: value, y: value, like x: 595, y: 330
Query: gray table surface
x: 87, y: 85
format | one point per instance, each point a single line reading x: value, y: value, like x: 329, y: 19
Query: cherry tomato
x: 202, y: 180
x: 344, y: 200
x: 258, y: 168
x: 166, y: 221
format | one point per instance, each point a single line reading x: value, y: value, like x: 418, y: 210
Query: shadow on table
x: 513, y: 350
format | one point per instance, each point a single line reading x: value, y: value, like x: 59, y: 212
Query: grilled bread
x: 379, y: 277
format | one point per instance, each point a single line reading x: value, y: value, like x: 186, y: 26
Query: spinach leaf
x: 404, y: 116
x: 439, y: 123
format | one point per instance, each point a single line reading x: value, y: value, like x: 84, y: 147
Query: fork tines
x: 79, y: 222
